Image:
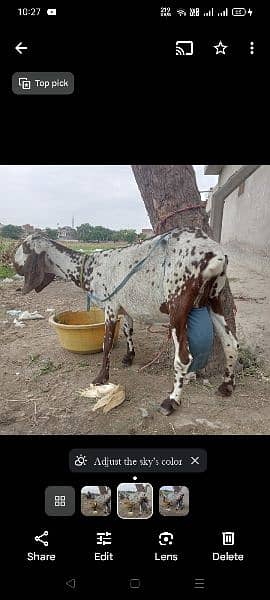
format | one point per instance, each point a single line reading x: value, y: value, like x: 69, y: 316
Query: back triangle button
x: 71, y: 583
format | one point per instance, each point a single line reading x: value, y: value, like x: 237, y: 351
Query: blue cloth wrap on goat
x: 200, y: 337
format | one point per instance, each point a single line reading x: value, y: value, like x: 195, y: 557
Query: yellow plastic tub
x: 82, y: 331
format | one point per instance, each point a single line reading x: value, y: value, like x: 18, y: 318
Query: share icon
x: 38, y: 538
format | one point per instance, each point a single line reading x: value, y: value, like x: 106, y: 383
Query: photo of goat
x: 95, y: 501
x: 192, y: 270
x: 134, y: 501
x: 173, y: 501
x: 174, y: 336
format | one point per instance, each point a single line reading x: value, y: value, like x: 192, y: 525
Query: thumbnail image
x: 134, y: 500
x: 173, y: 501
x: 95, y: 501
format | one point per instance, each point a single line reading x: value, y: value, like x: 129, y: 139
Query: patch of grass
x: 7, y: 248
x: 34, y: 358
x: 89, y: 247
x: 49, y: 367
x: 252, y: 364
x: 6, y: 271
x: 83, y: 364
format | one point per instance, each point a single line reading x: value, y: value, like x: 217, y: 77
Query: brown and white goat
x: 167, y: 275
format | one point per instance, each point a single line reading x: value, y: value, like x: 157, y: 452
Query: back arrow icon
x: 71, y: 583
x: 19, y: 47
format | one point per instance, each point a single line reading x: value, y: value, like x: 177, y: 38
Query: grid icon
x: 60, y: 501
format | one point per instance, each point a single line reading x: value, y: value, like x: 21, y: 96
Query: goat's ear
x: 35, y: 277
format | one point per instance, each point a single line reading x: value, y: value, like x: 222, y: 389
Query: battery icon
x: 51, y: 11
x: 239, y: 12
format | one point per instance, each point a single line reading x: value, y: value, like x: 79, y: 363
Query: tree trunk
x: 165, y: 189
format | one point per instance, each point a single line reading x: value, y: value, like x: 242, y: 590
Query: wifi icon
x: 181, y: 12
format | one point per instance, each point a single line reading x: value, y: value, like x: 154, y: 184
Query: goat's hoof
x: 168, y: 406
x: 100, y: 380
x: 226, y: 389
x: 127, y: 360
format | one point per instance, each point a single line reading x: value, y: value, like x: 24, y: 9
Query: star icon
x: 220, y: 48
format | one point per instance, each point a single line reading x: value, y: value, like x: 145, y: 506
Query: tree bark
x: 165, y: 189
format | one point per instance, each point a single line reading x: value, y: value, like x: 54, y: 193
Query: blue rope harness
x: 136, y: 268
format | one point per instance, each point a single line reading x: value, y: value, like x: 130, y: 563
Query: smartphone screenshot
x: 134, y: 301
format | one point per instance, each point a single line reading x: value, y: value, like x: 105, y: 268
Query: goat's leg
x: 104, y: 373
x: 128, y: 331
x: 229, y: 344
x: 178, y: 311
x: 182, y: 362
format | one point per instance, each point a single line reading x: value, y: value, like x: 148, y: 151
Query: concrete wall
x: 246, y: 218
x: 226, y: 173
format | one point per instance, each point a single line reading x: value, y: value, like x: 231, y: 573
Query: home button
x: 134, y: 583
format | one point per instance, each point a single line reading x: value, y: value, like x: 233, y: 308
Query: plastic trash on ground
x: 18, y: 323
x: 108, y: 396
x: 14, y: 313
x: 26, y: 316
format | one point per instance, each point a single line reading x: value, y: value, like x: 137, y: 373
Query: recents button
x: 40, y: 84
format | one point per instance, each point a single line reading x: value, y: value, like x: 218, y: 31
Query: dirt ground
x: 40, y: 380
x: 124, y: 512
x: 173, y: 512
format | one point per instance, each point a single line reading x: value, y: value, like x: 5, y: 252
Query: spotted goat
x: 163, y: 277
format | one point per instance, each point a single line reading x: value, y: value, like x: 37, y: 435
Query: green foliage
x: 48, y: 367
x: 14, y: 232
x: 88, y: 233
x: 128, y: 235
x: 84, y: 232
x: 250, y: 361
x: 51, y: 233
x: 6, y: 271
x: 7, y: 248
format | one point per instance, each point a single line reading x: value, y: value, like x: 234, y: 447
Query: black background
x: 230, y: 496
x: 136, y: 102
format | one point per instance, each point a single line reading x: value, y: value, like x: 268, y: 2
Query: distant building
x: 148, y: 233
x: 67, y: 233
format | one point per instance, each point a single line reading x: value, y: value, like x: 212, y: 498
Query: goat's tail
x: 216, y: 266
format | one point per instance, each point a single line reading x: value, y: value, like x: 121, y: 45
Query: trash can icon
x: 227, y: 538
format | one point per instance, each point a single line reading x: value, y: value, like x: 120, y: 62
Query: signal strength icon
x: 181, y: 12
x: 223, y: 13
x: 210, y: 13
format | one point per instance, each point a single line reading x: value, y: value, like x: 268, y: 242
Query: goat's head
x: 31, y: 261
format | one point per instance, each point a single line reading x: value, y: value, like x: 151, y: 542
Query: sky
x: 50, y: 195
x: 90, y: 488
